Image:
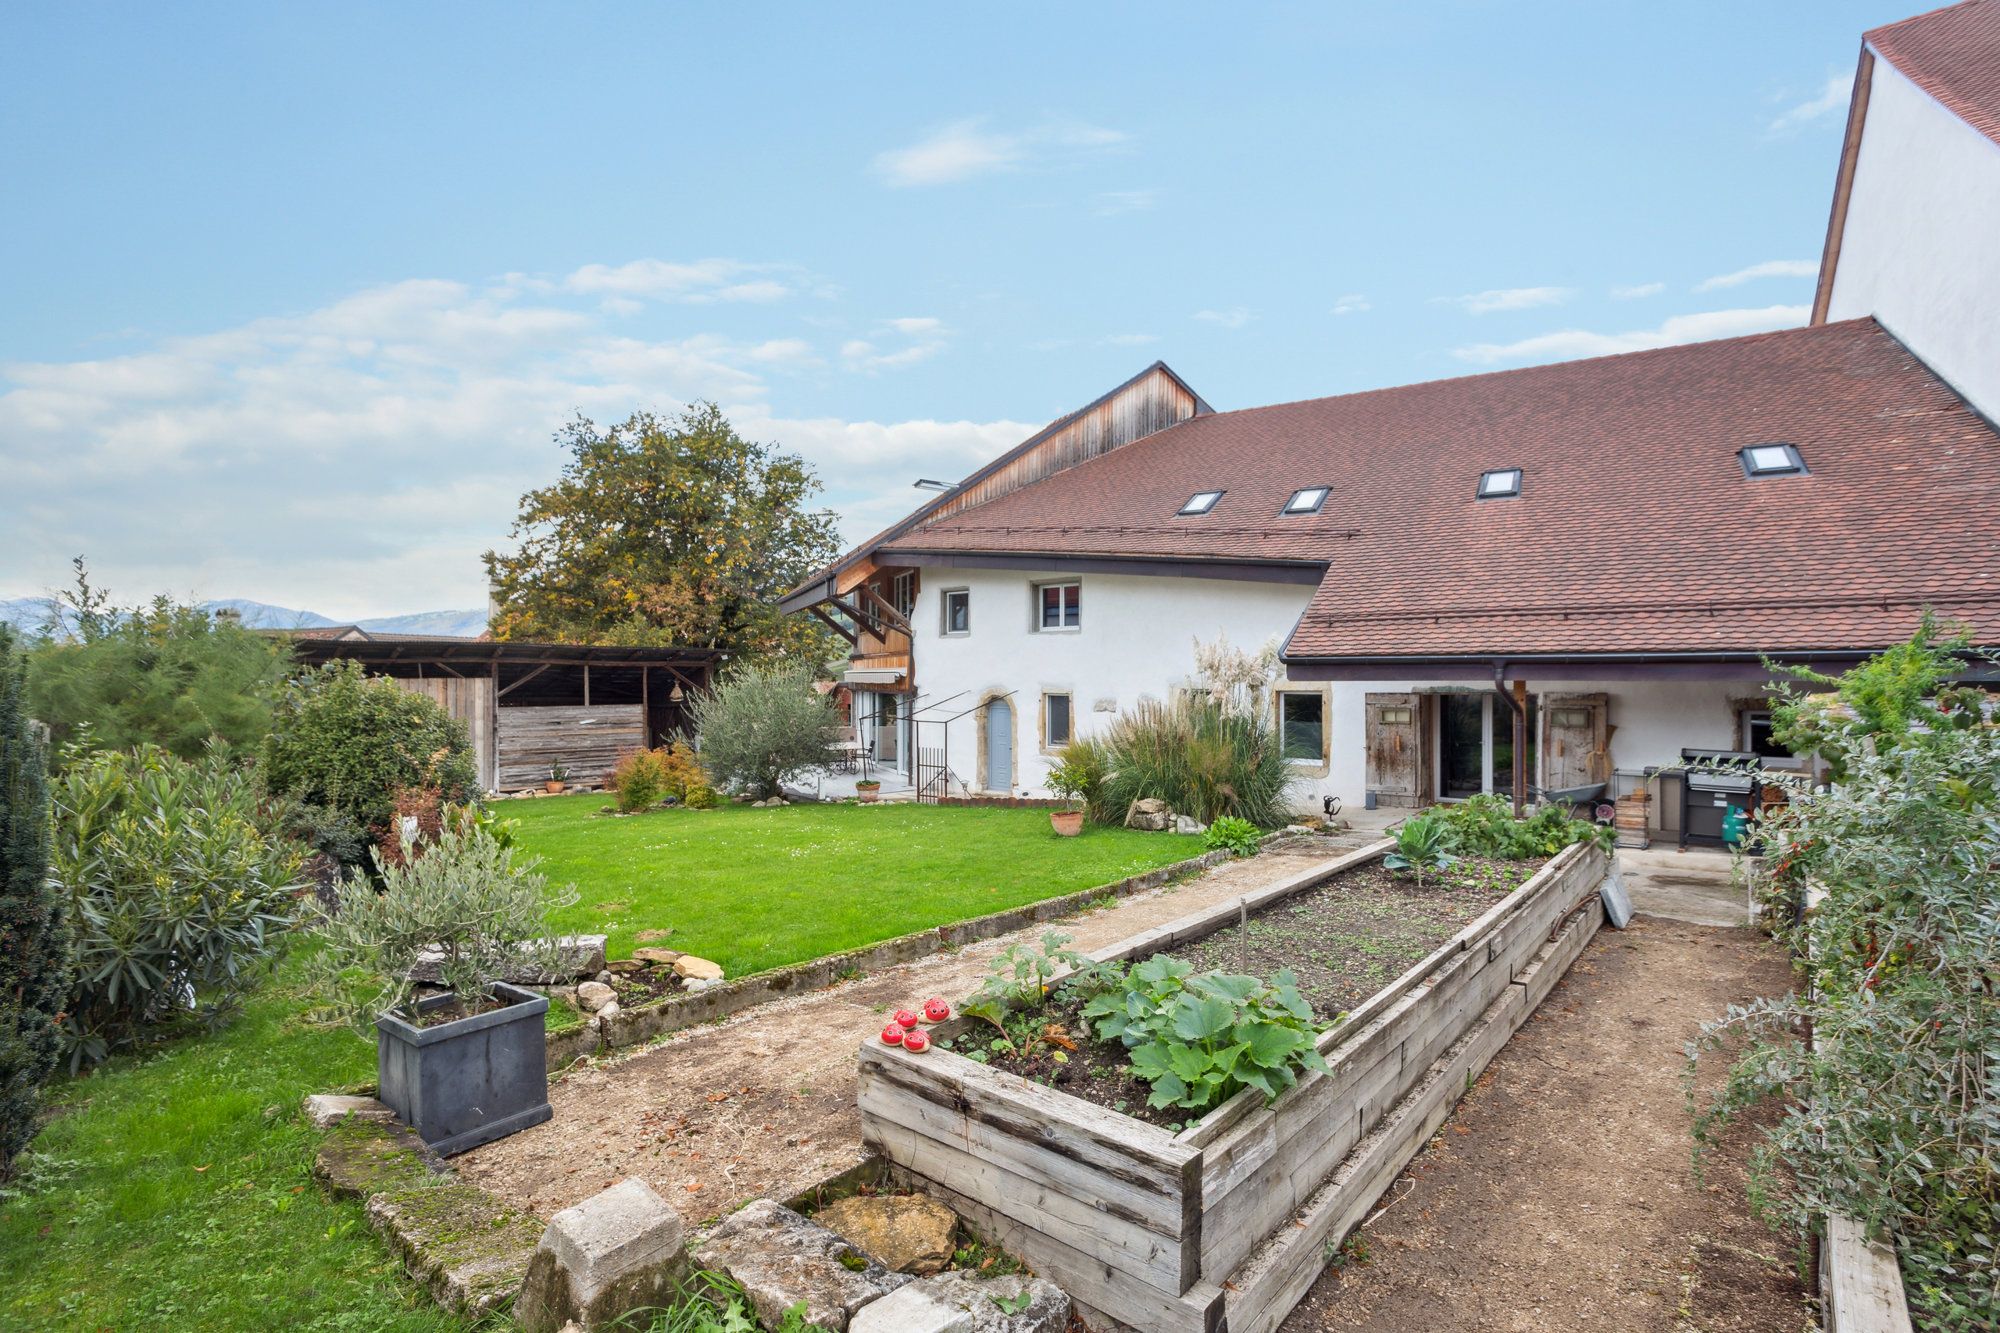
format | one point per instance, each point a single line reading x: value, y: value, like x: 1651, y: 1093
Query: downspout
x: 1520, y: 731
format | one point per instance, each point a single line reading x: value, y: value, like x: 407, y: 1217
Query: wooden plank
x: 1861, y: 1284
x: 588, y: 742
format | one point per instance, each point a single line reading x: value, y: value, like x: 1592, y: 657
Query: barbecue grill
x: 1713, y: 784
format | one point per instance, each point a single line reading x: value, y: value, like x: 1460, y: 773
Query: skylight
x: 1500, y: 483
x: 1306, y: 501
x: 1772, y: 460
x: 1201, y: 502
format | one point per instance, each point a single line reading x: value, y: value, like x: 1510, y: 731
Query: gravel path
x: 762, y: 1105
x: 1559, y: 1196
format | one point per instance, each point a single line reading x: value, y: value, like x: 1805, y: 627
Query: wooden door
x: 1395, y: 749
x: 1575, y: 752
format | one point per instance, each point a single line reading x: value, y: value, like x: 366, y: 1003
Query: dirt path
x: 1559, y: 1196
x: 762, y: 1105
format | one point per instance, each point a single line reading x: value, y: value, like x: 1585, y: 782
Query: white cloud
x: 1571, y: 343
x: 1111, y: 203
x: 1132, y: 339
x: 1832, y: 97
x: 924, y: 337
x: 1507, y: 298
x: 1354, y: 303
x: 1772, y: 268
x: 357, y: 458
x: 701, y: 282
x: 965, y: 149
x: 1638, y: 291
x: 1233, y: 318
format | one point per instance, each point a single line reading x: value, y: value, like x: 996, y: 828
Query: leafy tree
x: 34, y: 935
x: 1885, y: 694
x: 341, y: 741
x: 161, y: 674
x: 666, y: 531
x: 763, y: 725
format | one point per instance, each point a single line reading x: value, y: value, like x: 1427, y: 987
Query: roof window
x: 1500, y: 483
x: 1201, y: 502
x: 1772, y: 460
x: 1306, y: 501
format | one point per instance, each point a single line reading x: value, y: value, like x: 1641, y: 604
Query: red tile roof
x: 1636, y: 530
x: 1954, y: 55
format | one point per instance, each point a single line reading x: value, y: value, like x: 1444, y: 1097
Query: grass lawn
x: 176, y: 1195
x: 754, y: 889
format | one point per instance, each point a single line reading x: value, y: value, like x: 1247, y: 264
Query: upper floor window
x: 1306, y: 501
x: 1201, y: 502
x: 957, y: 611
x: 1772, y: 460
x: 1060, y: 606
x: 1500, y: 483
x: 903, y: 593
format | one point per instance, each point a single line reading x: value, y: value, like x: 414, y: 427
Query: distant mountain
x: 30, y: 614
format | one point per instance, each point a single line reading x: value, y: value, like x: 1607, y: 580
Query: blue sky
x: 295, y: 296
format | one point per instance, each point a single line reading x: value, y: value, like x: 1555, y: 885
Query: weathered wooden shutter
x: 1395, y: 744
x: 1575, y: 745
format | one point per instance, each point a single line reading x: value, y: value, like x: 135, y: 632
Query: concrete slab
x: 1697, y: 885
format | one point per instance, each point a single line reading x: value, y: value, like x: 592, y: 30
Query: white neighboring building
x: 1914, y: 238
x: 1610, y: 550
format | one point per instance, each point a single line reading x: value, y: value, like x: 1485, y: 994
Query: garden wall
x: 1224, y: 1225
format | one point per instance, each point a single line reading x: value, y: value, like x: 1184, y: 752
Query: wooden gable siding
x: 1153, y: 402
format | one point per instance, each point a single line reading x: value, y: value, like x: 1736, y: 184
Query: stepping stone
x: 617, y: 1252
x: 326, y: 1109
x: 910, y: 1233
x: 663, y: 957
x: 459, y: 1241
x: 779, y: 1259
x: 363, y: 1157
x: 987, y: 1305
x: 697, y: 969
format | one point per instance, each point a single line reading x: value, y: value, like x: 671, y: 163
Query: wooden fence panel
x: 586, y: 741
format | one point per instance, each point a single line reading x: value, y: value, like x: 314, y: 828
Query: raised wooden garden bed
x: 1224, y: 1225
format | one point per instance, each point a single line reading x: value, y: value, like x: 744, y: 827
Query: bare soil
x: 762, y: 1105
x: 1343, y: 941
x: 1561, y: 1195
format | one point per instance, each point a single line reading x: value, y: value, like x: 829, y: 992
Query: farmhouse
x: 532, y: 707
x: 1558, y: 577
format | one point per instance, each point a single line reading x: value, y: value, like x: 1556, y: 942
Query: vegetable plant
x: 1239, y: 836
x: 1198, y: 1039
x: 1422, y: 843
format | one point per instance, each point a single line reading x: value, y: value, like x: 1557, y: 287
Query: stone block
x: 616, y: 1252
x: 325, y: 1109
x: 1014, y: 1304
x: 780, y: 1259
x: 471, y: 1251
x: 363, y: 1157
x: 910, y: 1233
x: 911, y: 1310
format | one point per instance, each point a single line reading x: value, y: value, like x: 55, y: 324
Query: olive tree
x: 764, y: 725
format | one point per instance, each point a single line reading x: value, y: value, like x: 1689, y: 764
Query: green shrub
x: 1886, y: 695
x: 1422, y: 843
x: 466, y: 896
x: 34, y: 928
x: 1484, y: 825
x: 1198, y: 1040
x: 178, y: 895
x: 349, y: 743
x: 1890, y: 1111
x: 1082, y: 766
x: 702, y: 798
x: 161, y: 674
x: 1204, y: 761
x: 765, y: 725
x: 640, y: 781
x: 1238, y: 835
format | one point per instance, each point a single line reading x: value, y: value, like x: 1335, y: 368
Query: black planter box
x: 470, y: 1081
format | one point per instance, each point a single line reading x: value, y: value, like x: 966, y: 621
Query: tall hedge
x: 34, y: 939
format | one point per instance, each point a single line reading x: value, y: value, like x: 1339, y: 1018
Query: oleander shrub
x: 348, y: 743
x: 1203, y: 760
x: 179, y: 893
x: 1885, y: 1069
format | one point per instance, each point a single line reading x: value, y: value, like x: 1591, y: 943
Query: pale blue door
x: 999, y: 745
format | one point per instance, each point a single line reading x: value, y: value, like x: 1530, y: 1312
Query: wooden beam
x: 843, y: 631
x: 586, y: 684
x: 522, y: 681
x: 863, y: 617
x: 890, y: 615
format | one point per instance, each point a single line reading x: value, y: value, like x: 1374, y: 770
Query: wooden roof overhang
x: 1742, y: 666
x: 692, y: 666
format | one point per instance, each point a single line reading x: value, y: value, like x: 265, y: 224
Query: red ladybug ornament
x: 907, y: 1018
x: 936, y: 1010
x: 892, y: 1035
x: 916, y: 1041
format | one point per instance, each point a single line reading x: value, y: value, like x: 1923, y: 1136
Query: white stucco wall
x: 1137, y: 640
x: 1920, y: 249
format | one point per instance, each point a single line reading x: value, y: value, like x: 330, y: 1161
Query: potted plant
x: 1068, y: 781
x: 424, y: 965
x: 868, y: 791
x: 558, y: 778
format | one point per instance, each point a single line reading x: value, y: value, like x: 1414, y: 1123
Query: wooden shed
x: 531, y: 706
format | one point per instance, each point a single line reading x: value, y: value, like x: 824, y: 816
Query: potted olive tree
x: 1068, y: 781
x: 422, y: 966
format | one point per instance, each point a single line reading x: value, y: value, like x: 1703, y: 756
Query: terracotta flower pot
x: 553, y: 787
x: 1067, y: 823
x: 868, y: 794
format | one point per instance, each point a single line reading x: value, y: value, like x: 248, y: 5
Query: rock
x: 910, y: 1233
x: 663, y: 957
x: 604, y: 977
x: 701, y: 984
x: 576, y: 956
x: 1188, y: 824
x: 779, y: 1259
x: 326, y: 1109
x: 1149, y: 813
x: 614, y: 1253
x: 459, y: 1241
x: 978, y: 1301
x: 592, y: 996
x: 621, y: 967
x: 690, y: 968
x: 910, y: 1310
x: 608, y: 1012
x: 363, y: 1157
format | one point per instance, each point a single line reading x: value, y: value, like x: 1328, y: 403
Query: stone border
x: 634, y: 1027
